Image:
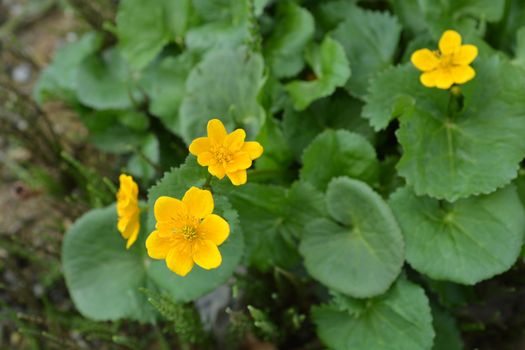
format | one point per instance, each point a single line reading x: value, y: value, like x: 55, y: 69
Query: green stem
x: 207, y: 184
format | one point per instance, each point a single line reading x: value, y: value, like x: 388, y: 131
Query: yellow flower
x: 225, y: 154
x: 187, y: 232
x: 447, y: 66
x: 128, y: 209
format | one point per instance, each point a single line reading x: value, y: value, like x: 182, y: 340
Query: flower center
x: 189, y: 232
x: 445, y: 61
x: 221, y: 154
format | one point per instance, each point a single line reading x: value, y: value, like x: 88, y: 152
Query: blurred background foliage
x: 89, y: 89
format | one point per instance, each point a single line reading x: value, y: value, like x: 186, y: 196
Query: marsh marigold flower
x: 447, y: 66
x: 187, y: 232
x: 226, y: 154
x: 128, y: 209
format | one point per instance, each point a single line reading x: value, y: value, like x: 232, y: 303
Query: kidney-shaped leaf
x: 447, y: 156
x: 360, y: 250
x: 399, y: 320
x: 370, y: 40
x: 224, y: 85
x: 103, y: 278
x: 339, y: 153
x: 331, y: 69
x: 466, y: 241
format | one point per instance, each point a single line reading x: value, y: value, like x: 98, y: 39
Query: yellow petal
x: 465, y: 55
x: 462, y: 74
x: 240, y: 161
x: 168, y: 208
x: 123, y: 222
x: 428, y: 79
x: 134, y: 234
x: 214, y: 228
x: 206, y: 254
x: 199, y: 202
x: 234, y: 141
x: 129, y: 227
x: 217, y: 170
x: 238, y: 178
x: 179, y: 259
x: 424, y: 60
x: 199, y: 145
x: 205, y: 158
x: 216, y: 131
x: 254, y: 149
x: 158, y: 246
x: 444, y: 79
x: 450, y: 41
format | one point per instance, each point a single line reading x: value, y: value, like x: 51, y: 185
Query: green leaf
x: 449, y: 156
x: 294, y: 29
x: 224, y: 85
x: 339, y: 152
x: 140, y: 164
x: 331, y: 68
x: 273, y: 219
x: 330, y: 13
x: 105, y: 82
x: 178, y: 18
x: 519, y: 51
x: 142, y: 30
x: 370, y: 41
x: 360, y: 250
x: 224, y: 25
x: 394, y: 92
x: 103, y: 278
x: 277, y: 155
x: 164, y: 83
x: 339, y: 111
x: 112, y: 131
x: 399, y: 320
x: 448, y: 336
x: 466, y: 241
x: 199, y: 281
x: 462, y: 15
x: 59, y: 79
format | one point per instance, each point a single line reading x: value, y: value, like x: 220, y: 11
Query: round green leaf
x: 370, y: 41
x: 466, y: 241
x: 199, y: 281
x: 331, y: 68
x: 224, y: 85
x: 103, y: 278
x: 336, y: 153
x: 399, y: 320
x: 447, y: 156
x: 294, y: 29
x: 105, y: 82
x: 59, y: 79
x: 360, y: 251
x: 142, y: 30
x: 164, y: 82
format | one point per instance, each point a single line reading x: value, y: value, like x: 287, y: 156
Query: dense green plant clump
x: 376, y: 193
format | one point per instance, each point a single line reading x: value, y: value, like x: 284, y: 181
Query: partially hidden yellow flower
x: 187, y: 232
x: 449, y: 65
x: 226, y: 154
x: 128, y: 209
